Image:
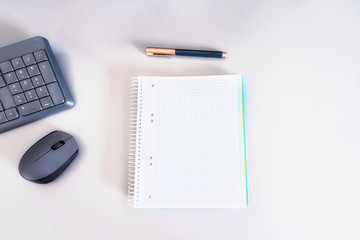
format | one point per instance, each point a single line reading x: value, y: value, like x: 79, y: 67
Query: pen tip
x: 224, y: 55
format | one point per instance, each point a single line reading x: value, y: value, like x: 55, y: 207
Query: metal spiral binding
x: 132, y: 140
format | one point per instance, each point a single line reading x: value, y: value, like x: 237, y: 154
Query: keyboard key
x: 17, y: 63
x: 33, y: 70
x: 2, y: 117
x: 10, y: 77
x: 1, y: 107
x: 2, y: 82
x: 6, y: 67
x: 22, y: 74
x: 15, y: 88
x: 19, y: 99
x: 30, y: 95
x: 11, y: 114
x: 47, y: 72
x: 29, y: 59
x: 30, y: 107
x: 42, y: 91
x: 40, y: 56
x: 26, y: 84
x: 55, y: 93
x: 6, y: 98
x: 46, y: 102
x: 37, y: 81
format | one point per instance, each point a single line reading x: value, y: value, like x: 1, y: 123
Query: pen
x: 152, y: 51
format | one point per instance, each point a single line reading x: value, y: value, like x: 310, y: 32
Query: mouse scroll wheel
x: 57, y: 145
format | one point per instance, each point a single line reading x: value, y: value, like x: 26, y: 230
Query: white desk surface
x: 302, y: 60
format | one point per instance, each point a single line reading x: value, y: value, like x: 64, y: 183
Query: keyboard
x: 31, y: 83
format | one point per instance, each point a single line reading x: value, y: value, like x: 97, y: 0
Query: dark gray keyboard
x: 31, y: 83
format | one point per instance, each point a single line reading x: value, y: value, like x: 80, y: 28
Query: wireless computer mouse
x: 49, y: 157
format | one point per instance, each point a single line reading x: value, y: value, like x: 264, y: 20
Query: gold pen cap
x: 162, y: 52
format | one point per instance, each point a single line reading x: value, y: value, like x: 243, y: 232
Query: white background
x: 302, y: 60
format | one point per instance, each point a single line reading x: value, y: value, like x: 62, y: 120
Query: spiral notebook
x: 187, y: 142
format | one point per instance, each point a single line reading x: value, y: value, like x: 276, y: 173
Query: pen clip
x: 158, y: 54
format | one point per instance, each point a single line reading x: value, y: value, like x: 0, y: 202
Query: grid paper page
x: 191, y: 144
